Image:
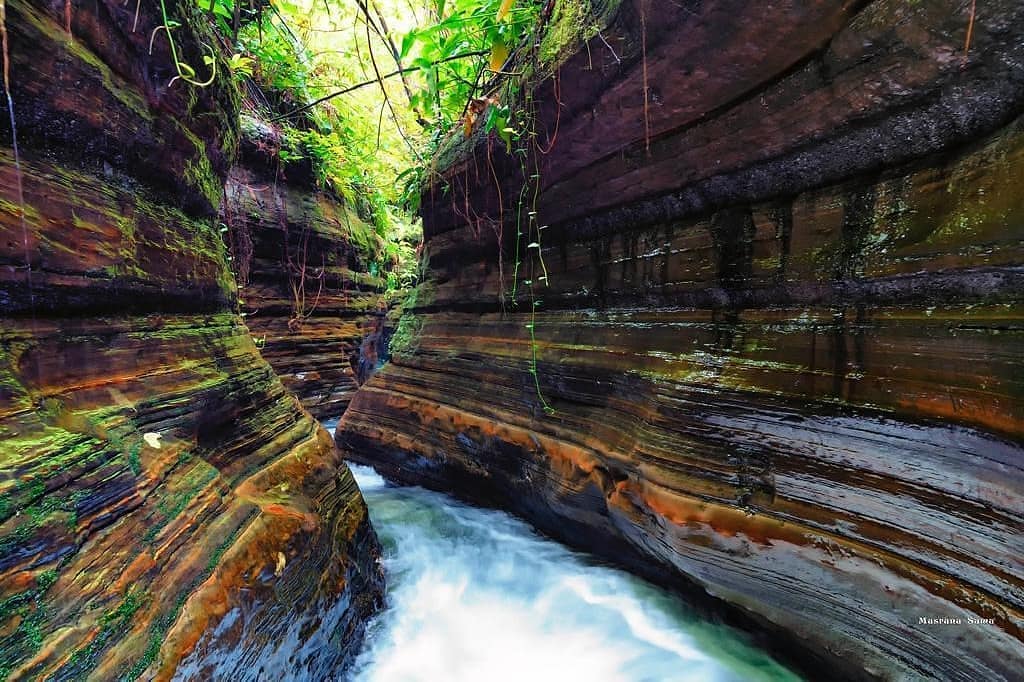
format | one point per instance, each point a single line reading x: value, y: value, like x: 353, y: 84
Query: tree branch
x: 380, y: 27
x: 392, y: 74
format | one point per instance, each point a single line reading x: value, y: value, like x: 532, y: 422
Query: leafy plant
x: 467, y: 40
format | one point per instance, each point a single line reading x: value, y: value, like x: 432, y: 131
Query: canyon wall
x: 746, y: 315
x: 166, y: 506
x: 304, y: 262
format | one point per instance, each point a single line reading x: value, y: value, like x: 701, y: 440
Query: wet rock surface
x: 164, y: 501
x: 782, y: 345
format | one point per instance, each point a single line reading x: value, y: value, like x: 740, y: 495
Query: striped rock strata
x: 166, y: 507
x: 781, y: 334
x: 304, y: 263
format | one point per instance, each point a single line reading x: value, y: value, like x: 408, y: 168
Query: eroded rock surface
x: 780, y: 331
x: 164, y: 501
x: 304, y: 261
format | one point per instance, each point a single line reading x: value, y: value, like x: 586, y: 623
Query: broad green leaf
x: 407, y: 42
x: 222, y: 9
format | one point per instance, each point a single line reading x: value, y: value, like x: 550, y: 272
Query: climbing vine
x: 185, y: 72
x: 454, y: 69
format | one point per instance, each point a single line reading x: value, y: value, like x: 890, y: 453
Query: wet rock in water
x: 778, y: 325
x: 153, y: 470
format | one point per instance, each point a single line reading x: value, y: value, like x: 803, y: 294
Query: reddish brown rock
x: 304, y: 261
x: 166, y: 507
x: 782, y: 346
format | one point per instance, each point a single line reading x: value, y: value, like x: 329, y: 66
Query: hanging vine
x: 502, y: 106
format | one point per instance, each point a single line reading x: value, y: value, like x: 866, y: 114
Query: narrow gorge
x: 309, y: 298
x: 765, y: 344
x: 723, y: 300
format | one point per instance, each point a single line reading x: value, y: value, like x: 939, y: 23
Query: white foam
x: 366, y: 477
x: 476, y: 596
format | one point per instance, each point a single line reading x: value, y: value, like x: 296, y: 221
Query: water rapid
x: 475, y: 595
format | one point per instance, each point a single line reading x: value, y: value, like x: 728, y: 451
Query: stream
x: 477, y: 595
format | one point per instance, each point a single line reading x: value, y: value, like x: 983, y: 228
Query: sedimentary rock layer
x: 303, y: 261
x: 166, y: 507
x: 778, y: 323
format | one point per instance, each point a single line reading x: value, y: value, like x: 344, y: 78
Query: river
x: 476, y: 595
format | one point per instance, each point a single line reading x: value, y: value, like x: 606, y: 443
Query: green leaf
x: 221, y: 8
x: 408, y: 41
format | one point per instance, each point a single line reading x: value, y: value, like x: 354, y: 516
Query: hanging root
x: 970, y: 32
x: 14, y: 144
x: 643, y: 50
x: 556, y: 84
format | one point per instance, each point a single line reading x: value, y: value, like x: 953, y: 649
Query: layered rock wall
x: 166, y: 507
x: 304, y: 260
x: 778, y: 323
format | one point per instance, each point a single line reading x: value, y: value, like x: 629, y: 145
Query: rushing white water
x: 475, y: 595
